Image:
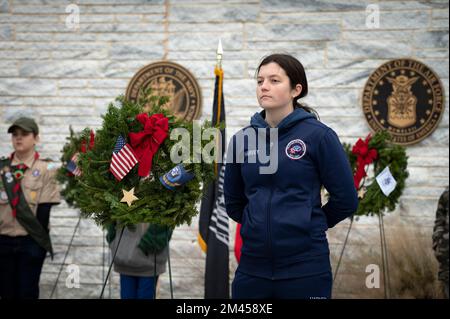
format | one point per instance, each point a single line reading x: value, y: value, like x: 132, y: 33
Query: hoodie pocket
x: 291, y: 233
x: 254, y: 230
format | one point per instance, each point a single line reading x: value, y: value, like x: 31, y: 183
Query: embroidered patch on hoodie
x: 296, y: 149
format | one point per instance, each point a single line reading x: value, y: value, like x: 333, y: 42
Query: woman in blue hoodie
x: 274, y: 173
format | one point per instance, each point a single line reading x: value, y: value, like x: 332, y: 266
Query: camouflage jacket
x: 440, y: 236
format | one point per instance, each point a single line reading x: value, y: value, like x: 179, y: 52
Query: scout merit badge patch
x: 177, y: 176
x: 8, y: 174
x: 3, y: 195
x: 33, y: 195
x: 296, y: 149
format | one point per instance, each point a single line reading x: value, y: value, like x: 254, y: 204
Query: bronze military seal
x: 405, y: 97
x: 171, y: 80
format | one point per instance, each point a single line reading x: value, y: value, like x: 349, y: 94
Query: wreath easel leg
x: 168, y: 261
x: 343, y: 248
x: 65, y: 257
x: 112, y: 262
x: 384, y: 258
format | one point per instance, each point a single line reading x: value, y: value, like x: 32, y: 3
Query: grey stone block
x: 148, y: 51
x: 205, y: 69
x: 43, y: 27
x: 26, y: 18
x: 305, y: 5
x: 6, y: 33
x: 76, y: 37
x: 285, y: 45
x: 56, y: 69
x: 39, y: 9
x: 126, y: 28
x: 440, y: 14
x: 125, y: 8
x: 407, y: 5
x: 388, y: 20
x: 336, y: 78
x: 4, y: 6
x: 293, y: 32
x: 439, y: 24
x: 111, y: 93
x: 27, y: 87
x: 431, y: 39
x: 368, y: 49
x: 25, y: 55
x: 214, y: 13
x: 206, y: 27
x: 439, y: 66
x: 122, y: 2
x: 240, y: 88
x: 81, y: 55
x: 379, y: 35
x: 96, y: 18
x: 330, y: 98
x: 353, y: 63
x: 205, y: 41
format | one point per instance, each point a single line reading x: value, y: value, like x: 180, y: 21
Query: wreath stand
x: 360, y: 156
x: 154, y: 274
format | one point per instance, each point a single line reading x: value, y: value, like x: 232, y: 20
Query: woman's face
x: 274, y: 88
x: 23, y: 141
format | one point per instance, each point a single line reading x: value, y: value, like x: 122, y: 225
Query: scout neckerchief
x: 18, y: 172
x: 19, y: 205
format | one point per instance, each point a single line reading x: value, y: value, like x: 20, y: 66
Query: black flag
x: 213, y: 222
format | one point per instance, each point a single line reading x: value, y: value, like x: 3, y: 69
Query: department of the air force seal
x: 295, y: 149
x: 171, y: 80
x: 405, y: 97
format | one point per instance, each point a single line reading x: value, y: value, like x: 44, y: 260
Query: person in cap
x: 28, y: 189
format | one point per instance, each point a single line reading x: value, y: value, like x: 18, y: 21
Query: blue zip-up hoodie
x: 283, y: 220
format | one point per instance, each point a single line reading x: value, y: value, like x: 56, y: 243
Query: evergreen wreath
x: 97, y: 193
x: 372, y: 201
x: 76, y: 143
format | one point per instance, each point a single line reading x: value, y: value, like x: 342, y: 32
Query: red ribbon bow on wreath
x: 146, y: 143
x: 365, y: 156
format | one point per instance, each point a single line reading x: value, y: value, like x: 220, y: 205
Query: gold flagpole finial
x: 219, y: 54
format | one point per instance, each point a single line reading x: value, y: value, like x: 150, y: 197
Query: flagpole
x: 219, y: 54
x: 213, y: 225
x: 219, y: 72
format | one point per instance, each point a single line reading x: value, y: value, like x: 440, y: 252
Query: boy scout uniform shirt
x: 39, y: 185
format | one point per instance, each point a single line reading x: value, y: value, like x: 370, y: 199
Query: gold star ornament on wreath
x: 128, y: 197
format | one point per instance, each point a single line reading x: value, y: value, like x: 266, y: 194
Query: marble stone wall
x: 63, y: 76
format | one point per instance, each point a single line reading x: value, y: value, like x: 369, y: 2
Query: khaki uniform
x: 38, y: 185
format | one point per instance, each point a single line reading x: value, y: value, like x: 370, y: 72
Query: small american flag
x: 123, y: 159
x: 72, y: 165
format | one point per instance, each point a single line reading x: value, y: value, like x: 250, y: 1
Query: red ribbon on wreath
x: 91, y: 142
x: 365, y: 156
x: 146, y: 143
